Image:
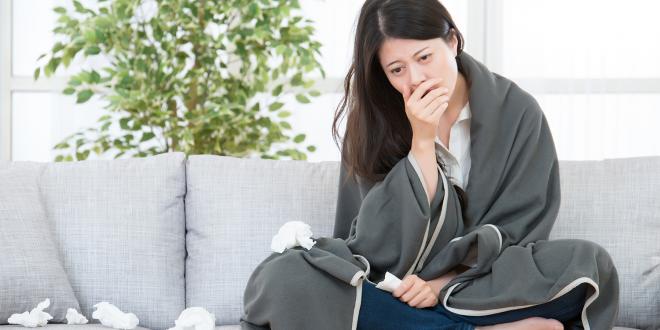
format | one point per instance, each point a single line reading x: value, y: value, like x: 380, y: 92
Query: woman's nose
x: 416, y: 77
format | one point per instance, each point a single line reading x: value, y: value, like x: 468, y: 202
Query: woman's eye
x: 425, y: 57
x: 396, y: 70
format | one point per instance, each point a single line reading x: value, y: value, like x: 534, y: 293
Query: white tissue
x: 389, y: 283
x: 73, y: 317
x: 194, y: 318
x: 111, y: 316
x: 291, y: 234
x: 35, y: 318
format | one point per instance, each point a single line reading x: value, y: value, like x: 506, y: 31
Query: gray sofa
x: 159, y: 234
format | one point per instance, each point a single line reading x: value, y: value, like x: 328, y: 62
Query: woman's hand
x: 440, y: 282
x: 416, y: 292
x: 424, y: 107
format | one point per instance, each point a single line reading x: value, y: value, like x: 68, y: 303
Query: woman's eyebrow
x: 417, y: 52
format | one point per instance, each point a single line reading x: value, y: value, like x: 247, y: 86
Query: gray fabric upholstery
x: 30, y: 265
x: 89, y: 326
x: 233, y: 209
x: 121, y: 229
x: 615, y: 203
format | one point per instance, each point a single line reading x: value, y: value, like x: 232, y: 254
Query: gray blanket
x: 390, y: 226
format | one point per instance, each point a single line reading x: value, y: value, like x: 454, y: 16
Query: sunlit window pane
x: 41, y: 120
x: 601, y: 126
x: 581, y: 39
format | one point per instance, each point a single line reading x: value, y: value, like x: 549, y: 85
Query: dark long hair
x: 378, y: 133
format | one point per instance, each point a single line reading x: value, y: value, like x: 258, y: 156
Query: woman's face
x: 409, y: 62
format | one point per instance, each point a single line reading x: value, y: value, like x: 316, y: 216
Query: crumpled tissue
x: 35, y: 318
x: 291, y: 234
x: 73, y: 317
x: 194, y: 318
x: 389, y: 283
x: 111, y: 316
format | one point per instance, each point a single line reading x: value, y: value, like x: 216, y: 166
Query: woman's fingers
x: 417, y: 287
x: 423, y: 88
x: 431, y: 111
x: 422, y: 298
x: 433, y: 95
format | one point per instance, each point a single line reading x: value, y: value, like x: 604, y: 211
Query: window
x: 592, y: 65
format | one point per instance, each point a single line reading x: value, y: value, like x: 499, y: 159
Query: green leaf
x: 311, y: 148
x: 60, y: 10
x: 90, y: 36
x: 123, y: 123
x: 299, y: 138
x: 82, y: 155
x: 146, y: 136
x: 37, y: 71
x: 297, y: 79
x: 253, y: 10
x: 275, y: 106
x: 94, y: 77
x: 92, y: 50
x: 68, y: 91
x: 302, y: 98
x: 315, y: 93
x: 284, y: 114
x: 84, y: 95
x: 278, y: 89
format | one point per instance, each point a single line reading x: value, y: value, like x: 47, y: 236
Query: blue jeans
x: 380, y: 310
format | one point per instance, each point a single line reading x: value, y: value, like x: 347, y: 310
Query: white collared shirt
x: 457, y: 156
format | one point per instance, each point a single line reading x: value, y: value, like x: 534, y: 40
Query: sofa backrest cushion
x: 233, y: 209
x: 121, y: 229
x: 616, y: 203
x: 30, y: 264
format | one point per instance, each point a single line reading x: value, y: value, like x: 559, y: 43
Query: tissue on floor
x: 291, y: 234
x: 111, y: 316
x: 35, y: 318
x: 389, y: 283
x: 73, y: 317
x: 194, y: 318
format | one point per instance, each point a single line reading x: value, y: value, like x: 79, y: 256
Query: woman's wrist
x: 438, y: 283
x: 422, y: 145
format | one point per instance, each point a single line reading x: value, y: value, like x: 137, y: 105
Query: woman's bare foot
x: 536, y: 323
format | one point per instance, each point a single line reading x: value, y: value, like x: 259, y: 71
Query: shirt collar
x: 465, y: 113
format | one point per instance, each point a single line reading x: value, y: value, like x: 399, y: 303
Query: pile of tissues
x: 108, y: 314
x: 292, y: 234
x: 192, y: 318
x: 34, y: 318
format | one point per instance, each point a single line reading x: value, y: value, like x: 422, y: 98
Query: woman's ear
x: 453, y: 42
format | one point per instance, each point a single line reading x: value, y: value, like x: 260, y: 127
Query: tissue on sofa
x: 36, y: 317
x: 73, y: 317
x: 194, y: 318
x: 111, y: 316
x: 291, y: 234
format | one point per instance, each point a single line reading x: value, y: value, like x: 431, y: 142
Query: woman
x: 470, y: 245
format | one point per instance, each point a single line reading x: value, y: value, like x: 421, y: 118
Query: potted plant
x: 197, y: 76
